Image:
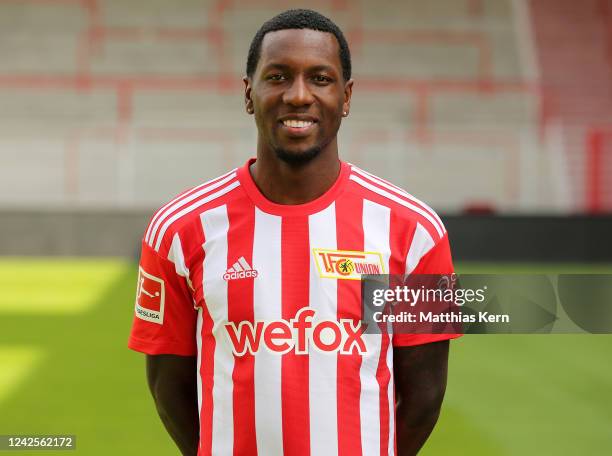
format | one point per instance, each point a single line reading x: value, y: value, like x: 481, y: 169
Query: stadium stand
x: 121, y: 104
x: 574, y: 41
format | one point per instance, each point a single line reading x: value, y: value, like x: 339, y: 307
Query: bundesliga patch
x: 150, y: 296
x: 347, y: 264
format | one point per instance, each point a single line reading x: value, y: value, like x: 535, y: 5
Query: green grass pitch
x: 65, y: 369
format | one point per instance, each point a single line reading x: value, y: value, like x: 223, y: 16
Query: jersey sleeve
x: 437, y: 261
x: 164, y: 314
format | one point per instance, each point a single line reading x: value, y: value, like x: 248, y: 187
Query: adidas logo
x: 240, y: 270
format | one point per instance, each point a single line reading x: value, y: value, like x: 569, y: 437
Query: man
x: 248, y: 320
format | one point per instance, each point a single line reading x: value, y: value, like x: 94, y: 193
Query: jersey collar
x: 311, y: 207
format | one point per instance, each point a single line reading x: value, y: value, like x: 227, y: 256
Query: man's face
x: 297, y: 93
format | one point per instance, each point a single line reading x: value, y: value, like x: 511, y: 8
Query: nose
x: 298, y: 93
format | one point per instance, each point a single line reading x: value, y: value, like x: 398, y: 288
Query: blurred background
x: 496, y: 112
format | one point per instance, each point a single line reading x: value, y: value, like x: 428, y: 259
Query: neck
x: 283, y: 183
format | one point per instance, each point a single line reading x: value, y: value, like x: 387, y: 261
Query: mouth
x: 293, y: 123
x: 298, y: 127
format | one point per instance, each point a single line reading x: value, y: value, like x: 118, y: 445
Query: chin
x: 297, y: 157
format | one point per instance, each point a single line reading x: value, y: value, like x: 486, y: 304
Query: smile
x: 291, y: 123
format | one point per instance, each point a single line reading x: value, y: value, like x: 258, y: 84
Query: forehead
x: 302, y: 47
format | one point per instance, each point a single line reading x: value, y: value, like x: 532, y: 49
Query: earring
x: 345, y: 113
x: 250, y: 110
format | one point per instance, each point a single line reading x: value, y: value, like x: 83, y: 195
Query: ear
x: 248, y: 101
x: 348, y: 92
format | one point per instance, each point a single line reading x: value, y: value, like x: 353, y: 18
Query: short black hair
x: 299, y: 19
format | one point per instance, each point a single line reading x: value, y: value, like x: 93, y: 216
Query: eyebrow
x: 282, y: 66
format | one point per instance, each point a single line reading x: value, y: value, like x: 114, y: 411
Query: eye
x: 276, y: 77
x: 321, y: 79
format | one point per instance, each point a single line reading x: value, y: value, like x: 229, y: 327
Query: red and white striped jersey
x: 265, y: 296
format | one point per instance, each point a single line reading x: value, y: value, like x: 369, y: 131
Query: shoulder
x: 176, y: 221
x: 405, y: 207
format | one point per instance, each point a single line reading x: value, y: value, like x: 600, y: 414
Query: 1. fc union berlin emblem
x: 347, y: 264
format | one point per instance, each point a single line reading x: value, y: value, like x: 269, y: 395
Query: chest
x: 270, y: 271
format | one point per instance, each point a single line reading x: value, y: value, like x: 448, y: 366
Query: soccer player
x: 249, y: 291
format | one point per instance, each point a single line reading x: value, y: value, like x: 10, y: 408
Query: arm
x: 172, y: 381
x: 420, y: 382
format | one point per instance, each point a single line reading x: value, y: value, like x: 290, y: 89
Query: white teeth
x: 297, y: 123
